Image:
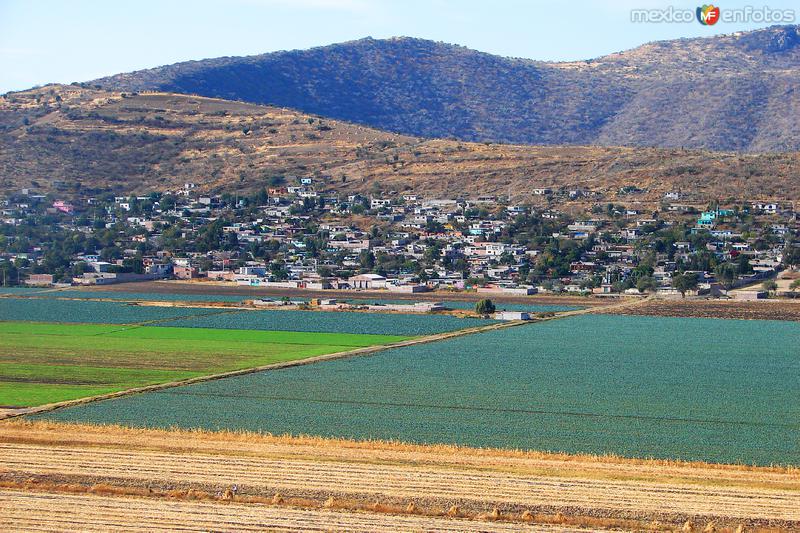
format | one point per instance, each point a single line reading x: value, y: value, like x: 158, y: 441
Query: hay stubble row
x: 477, y: 481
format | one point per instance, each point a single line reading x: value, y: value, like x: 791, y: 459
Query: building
x: 367, y: 281
x: 39, y: 280
x: 512, y: 315
x: 185, y: 271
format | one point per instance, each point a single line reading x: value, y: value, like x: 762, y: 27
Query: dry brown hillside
x: 724, y: 92
x: 69, y: 138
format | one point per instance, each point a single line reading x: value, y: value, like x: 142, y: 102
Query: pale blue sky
x: 45, y: 41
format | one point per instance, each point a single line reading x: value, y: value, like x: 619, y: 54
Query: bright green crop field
x: 46, y: 362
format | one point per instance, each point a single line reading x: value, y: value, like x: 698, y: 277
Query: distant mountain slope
x: 732, y: 92
x: 69, y: 139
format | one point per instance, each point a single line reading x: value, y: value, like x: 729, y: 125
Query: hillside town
x: 291, y: 236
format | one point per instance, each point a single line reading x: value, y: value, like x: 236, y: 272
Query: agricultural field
x: 12, y: 291
x: 773, y: 309
x: 80, y: 477
x: 55, y: 350
x: 150, y: 296
x: 331, y: 322
x: 675, y: 388
x: 90, y: 312
x: 42, y: 363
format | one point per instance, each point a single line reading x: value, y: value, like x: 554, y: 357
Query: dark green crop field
x: 696, y: 389
x: 43, y: 363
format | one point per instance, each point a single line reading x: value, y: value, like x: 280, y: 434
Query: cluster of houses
x: 314, y: 241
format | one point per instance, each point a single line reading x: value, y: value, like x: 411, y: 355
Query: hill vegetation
x: 70, y: 139
x: 731, y: 92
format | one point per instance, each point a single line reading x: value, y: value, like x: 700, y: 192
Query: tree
x: 685, y: 282
x: 646, y: 284
x: 261, y: 197
x: 9, y: 275
x: 791, y: 256
x: 769, y: 285
x: 484, y: 307
x: 277, y: 270
x: 743, y: 265
x: 367, y: 260
x: 794, y: 286
x: 726, y: 275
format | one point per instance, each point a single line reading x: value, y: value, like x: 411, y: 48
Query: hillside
x: 69, y: 138
x: 732, y: 92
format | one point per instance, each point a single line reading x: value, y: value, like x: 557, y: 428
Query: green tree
x: 794, y: 286
x: 367, y: 260
x: 791, y: 256
x: 484, y: 307
x: 261, y: 197
x: 9, y: 275
x: 278, y: 271
x: 726, y: 275
x: 646, y: 284
x: 685, y: 282
x: 769, y: 285
x: 743, y: 265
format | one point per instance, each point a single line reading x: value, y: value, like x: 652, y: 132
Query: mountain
x: 732, y: 92
x: 69, y: 139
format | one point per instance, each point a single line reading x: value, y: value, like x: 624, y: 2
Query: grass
x: 47, y: 362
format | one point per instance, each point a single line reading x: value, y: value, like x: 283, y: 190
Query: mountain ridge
x: 730, y: 92
x: 73, y: 141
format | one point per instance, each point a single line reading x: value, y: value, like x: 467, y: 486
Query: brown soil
x: 748, y: 310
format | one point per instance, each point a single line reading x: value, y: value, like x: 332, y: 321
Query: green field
x: 674, y: 388
x: 45, y: 362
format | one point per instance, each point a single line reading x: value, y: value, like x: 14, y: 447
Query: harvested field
x: 746, y: 310
x: 96, y: 472
x: 47, y: 511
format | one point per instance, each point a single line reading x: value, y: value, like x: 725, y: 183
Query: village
x: 294, y: 237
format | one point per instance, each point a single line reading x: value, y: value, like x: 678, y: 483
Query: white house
x: 367, y: 281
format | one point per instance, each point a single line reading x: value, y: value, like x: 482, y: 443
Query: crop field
x: 59, y: 476
x: 68, y: 311
x: 694, y: 389
x: 102, y: 312
x: 43, y: 363
x: 331, y: 322
x: 150, y: 296
x: 20, y: 290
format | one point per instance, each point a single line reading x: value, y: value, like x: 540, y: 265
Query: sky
x: 60, y: 41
